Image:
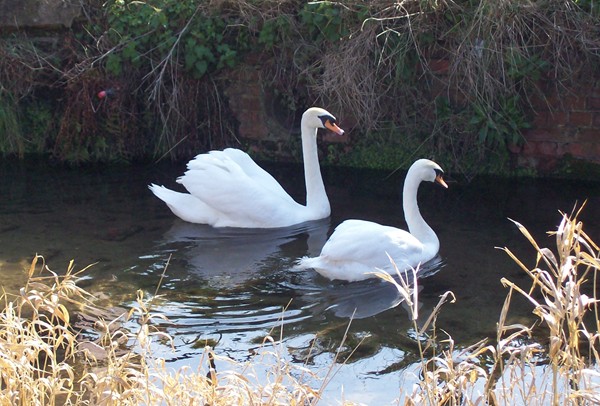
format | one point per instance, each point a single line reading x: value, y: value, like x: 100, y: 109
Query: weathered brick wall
x: 266, y: 127
x: 566, y: 121
x: 245, y: 95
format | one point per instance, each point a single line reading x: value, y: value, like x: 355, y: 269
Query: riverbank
x: 126, y: 81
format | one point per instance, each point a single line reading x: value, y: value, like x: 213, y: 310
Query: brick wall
x: 261, y: 126
x: 246, y: 100
x: 566, y: 121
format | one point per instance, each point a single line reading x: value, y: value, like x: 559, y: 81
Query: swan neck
x: 416, y: 224
x: 316, y: 197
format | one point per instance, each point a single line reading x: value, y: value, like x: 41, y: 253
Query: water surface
x: 236, y: 286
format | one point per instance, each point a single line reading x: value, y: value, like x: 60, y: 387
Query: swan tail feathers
x: 341, y: 270
x: 184, y: 205
x: 304, y: 263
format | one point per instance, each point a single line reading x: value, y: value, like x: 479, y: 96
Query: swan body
x: 228, y: 189
x: 358, y: 248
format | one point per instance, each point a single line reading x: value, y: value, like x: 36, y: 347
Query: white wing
x: 247, y: 165
x: 231, y: 183
x: 369, y: 243
x: 358, y: 248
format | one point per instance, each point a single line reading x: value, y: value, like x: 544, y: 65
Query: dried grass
x: 58, y: 347
x: 47, y: 356
x: 349, y: 79
x: 378, y: 75
x: 517, y: 369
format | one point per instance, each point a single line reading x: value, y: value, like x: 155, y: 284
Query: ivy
x: 145, y: 32
x: 329, y: 21
x: 274, y: 31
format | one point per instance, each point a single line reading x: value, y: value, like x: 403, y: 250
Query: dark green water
x: 233, y: 285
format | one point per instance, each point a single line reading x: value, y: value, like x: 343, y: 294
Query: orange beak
x: 333, y: 127
x: 441, y: 181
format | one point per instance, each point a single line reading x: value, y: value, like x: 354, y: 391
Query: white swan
x: 358, y: 248
x: 228, y: 189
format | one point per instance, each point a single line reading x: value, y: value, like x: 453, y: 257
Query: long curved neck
x: 316, y: 197
x: 416, y: 224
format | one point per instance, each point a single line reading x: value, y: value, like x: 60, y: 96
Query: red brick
x: 439, y: 66
x: 530, y: 148
x: 593, y: 151
x: 595, y: 92
x: 540, y: 119
x: 537, y: 134
x: 574, y: 103
x: 580, y: 118
x: 593, y: 103
x: 552, y: 101
x: 596, y: 120
x: 557, y: 118
x: 575, y: 149
x: 587, y: 150
x: 569, y: 133
x: 547, y: 148
x: 538, y: 102
x: 589, y: 135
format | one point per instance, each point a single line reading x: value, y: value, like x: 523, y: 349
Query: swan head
x: 427, y: 170
x: 316, y: 117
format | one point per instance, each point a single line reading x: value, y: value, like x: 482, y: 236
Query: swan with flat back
x: 358, y: 249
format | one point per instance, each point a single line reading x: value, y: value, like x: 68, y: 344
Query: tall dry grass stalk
x: 560, y: 368
x: 557, y: 294
x: 58, y: 348
x: 37, y: 344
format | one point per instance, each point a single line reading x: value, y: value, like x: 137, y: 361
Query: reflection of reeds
x: 517, y: 370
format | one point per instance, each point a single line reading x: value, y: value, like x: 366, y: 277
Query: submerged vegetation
x: 58, y: 345
x: 455, y: 78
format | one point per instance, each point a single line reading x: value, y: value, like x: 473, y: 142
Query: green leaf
x: 201, y: 68
x: 113, y: 64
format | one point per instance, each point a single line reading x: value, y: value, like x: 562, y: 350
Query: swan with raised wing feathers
x: 358, y: 248
x: 228, y: 189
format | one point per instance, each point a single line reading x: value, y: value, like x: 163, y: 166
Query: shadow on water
x: 359, y: 300
x: 236, y: 286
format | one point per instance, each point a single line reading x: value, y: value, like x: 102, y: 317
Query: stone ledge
x: 39, y: 14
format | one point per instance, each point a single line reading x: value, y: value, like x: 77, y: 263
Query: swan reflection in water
x: 229, y: 257
x: 260, y: 262
x: 359, y: 300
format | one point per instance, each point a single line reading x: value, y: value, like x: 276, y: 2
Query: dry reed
x: 58, y: 347
x: 517, y: 369
x: 47, y: 356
